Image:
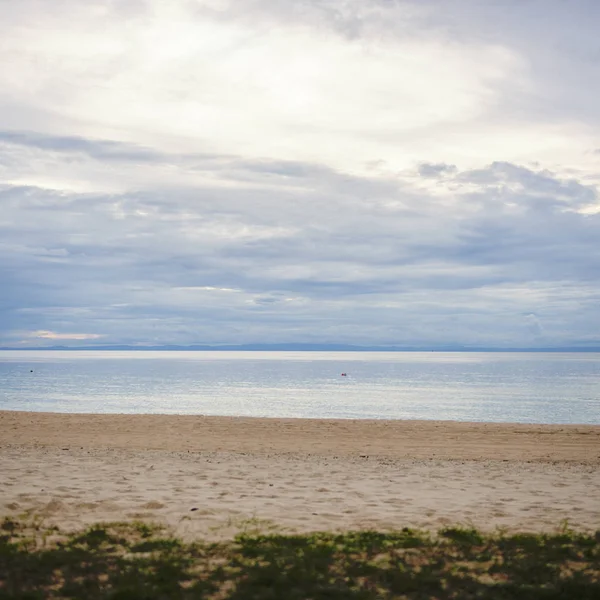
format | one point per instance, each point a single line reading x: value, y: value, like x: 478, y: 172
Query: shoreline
x: 393, y: 439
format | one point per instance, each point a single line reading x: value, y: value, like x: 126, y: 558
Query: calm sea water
x: 494, y: 387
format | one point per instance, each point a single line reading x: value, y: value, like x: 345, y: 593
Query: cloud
x: 383, y: 172
x: 534, y: 325
x: 436, y: 170
x: 297, y: 251
x: 52, y: 335
x: 98, y: 149
x: 212, y: 79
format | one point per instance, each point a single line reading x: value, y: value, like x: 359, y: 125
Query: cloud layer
x: 368, y: 173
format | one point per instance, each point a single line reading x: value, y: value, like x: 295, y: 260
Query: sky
x: 370, y: 172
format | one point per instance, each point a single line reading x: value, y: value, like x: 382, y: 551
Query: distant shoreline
x: 295, y: 348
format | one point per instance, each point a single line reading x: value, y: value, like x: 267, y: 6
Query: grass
x: 135, y: 561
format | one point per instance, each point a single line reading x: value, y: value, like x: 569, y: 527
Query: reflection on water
x: 467, y: 386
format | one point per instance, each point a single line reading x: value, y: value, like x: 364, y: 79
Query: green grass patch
x: 135, y: 561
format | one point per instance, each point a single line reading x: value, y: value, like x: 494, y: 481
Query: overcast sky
x: 348, y: 171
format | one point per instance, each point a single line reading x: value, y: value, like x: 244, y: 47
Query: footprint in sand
x: 88, y: 505
x: 152, y: 505
x: 53, y: 507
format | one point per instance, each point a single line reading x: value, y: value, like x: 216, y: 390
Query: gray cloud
x: 99, y: 149
x: 102, y: 150
x: 332, y: 257
x: 436, y: 170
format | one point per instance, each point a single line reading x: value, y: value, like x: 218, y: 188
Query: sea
x: 523, y: 387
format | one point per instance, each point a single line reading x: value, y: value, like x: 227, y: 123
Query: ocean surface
x: 457, y: 386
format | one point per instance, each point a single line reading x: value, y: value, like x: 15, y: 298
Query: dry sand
x: 296, y: 474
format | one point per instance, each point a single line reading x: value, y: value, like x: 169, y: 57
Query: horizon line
x: 307, y: 347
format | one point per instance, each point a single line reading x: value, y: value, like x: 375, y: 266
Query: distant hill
x: 307, y: 348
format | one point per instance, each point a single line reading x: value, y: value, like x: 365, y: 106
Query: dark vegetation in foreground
x: 126, y: 561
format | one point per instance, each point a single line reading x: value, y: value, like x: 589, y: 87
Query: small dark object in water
x: 343, y: 374
x: 31, y: 371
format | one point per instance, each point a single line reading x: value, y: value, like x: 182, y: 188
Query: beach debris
x: 193, y: 509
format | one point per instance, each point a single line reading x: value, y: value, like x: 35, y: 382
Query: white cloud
x: 53, y: 335
x: 381, y: 172
x: 188, y: 80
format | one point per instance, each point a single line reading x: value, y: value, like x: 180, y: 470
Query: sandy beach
x: 212, y: 476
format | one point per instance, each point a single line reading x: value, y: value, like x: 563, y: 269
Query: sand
x: 214, y: 476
